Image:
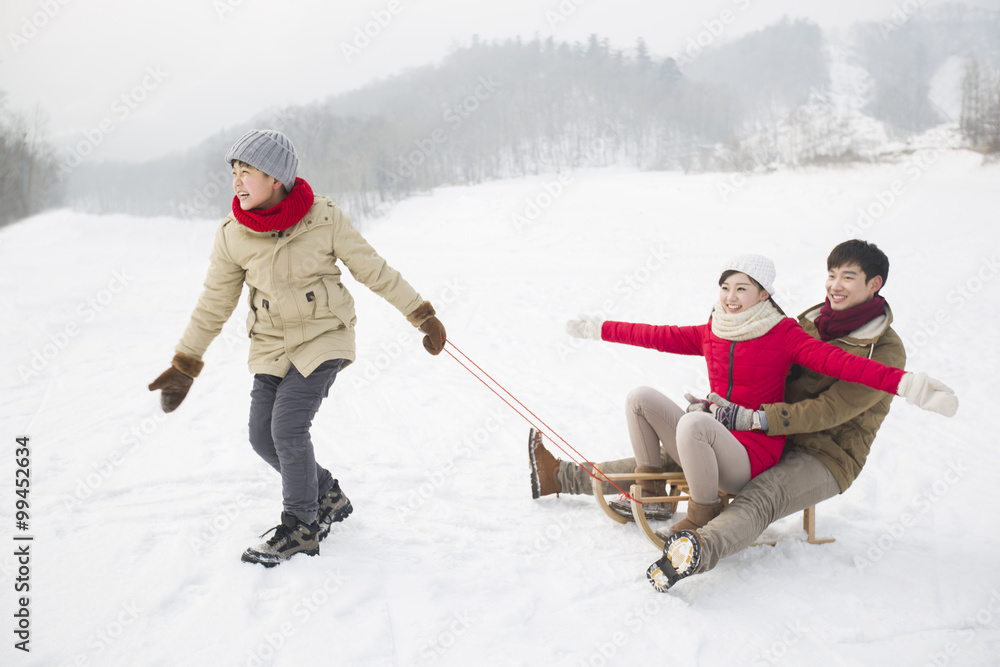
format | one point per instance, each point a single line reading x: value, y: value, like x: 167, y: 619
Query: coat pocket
x: 341, y: 301
x: 252, y: 315
x: 260, y: 319
x: 333, y: 300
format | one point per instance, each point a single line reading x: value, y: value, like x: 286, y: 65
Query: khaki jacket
x: 300, y: 311
x: 836, y: 421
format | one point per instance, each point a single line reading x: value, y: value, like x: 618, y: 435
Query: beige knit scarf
x: 746, y: 325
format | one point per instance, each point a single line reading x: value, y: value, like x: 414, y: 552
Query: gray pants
x: 281, y: 412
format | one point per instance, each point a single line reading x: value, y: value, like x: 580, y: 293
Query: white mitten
x: 925, y: 392
x: 698, y: 404
x: 587, y: 326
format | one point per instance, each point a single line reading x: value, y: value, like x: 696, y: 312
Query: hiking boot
x: 681, y: 556
x: 652, y: 511
x: 333, y: 507
x: 291, y: 536
x: 544, y: 467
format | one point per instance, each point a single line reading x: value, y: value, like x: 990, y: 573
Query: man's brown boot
x: 697, y: 516
x: 544, y: 467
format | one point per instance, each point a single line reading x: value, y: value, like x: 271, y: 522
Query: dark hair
x: 729, y: 272
x: 866, y: 255
x: 247, y: 164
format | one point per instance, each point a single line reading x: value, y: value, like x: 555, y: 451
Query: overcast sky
x: 135, y: 80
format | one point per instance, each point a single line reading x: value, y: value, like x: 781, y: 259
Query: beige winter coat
x: 300, y: 312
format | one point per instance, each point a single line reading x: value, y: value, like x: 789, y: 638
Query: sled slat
x: 640, y: 516
x: 599, y: 494
x: 678, y: 492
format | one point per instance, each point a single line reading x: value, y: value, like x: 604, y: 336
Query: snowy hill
x: 139, y: 518
x: 835, y: 123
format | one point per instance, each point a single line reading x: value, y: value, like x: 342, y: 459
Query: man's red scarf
x: 836, y: 323
x: 278, y: 218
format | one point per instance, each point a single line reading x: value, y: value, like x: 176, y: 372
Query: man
x: 831, y: 423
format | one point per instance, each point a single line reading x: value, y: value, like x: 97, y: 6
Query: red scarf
x: 278, y: 218
x: 836, y: 323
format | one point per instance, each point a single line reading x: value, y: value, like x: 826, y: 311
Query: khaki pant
x: 798, y: 481
x: 711, y: 457
x: 664, y: 435
x: 574, y: 480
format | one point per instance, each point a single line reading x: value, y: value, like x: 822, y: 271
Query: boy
x: 284, y: 243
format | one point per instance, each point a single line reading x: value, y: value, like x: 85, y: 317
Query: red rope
x: 528, y: 410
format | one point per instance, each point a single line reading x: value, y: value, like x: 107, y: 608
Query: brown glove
x: 423, y: 318
x: 434, y: 340
x: 176, y: 380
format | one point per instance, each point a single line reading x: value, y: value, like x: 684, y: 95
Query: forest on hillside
x: 516, y: 107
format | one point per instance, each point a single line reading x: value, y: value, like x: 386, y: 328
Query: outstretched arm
x: 842, y: 402
x: 839, y: 402
x: 369, y: 268
x: 677, y: 340
x: 837, y: 405
x: 918, y: 389
x: 372, y: 271
x: 223, y: 286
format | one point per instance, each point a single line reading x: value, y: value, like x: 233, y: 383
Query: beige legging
x: 711, y: 457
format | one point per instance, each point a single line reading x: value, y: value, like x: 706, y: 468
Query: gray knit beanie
x: 270, y: 151
x: 758, y: 267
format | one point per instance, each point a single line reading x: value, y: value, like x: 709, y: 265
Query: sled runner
x: 677, y: 492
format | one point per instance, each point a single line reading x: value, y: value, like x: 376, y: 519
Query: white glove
x: 925, y: 392
x: 587, y: 326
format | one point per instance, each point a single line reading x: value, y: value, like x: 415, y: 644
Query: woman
x: 749, y: 346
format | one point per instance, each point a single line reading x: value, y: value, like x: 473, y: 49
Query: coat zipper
x: 732, y: 353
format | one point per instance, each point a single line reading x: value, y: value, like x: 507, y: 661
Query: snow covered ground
x: 139, y: 519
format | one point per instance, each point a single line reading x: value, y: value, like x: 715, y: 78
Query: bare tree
x: 28, y: 169
x: 980, y: 119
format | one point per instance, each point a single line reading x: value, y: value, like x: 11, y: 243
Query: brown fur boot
x: 544, y: 467
x: 697, y: 516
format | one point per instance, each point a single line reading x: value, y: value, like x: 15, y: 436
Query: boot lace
x: 281, y: 531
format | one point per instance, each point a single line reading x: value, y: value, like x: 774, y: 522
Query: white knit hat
x: 758, y: 267
x: 270, y: 151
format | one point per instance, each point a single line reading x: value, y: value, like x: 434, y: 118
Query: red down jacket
x: 753, y: 372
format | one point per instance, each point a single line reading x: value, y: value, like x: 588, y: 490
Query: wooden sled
x: 678, y: 492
